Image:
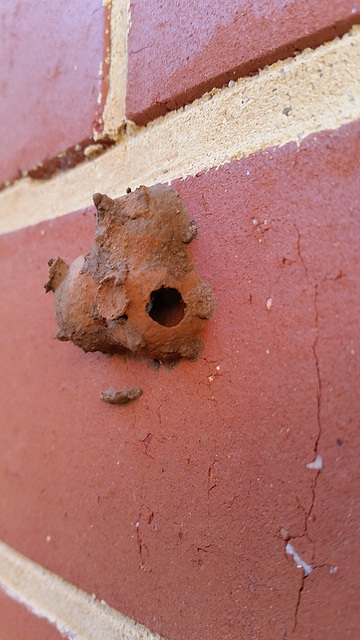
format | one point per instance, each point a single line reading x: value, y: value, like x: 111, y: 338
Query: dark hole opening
x: 122, y: 318
x: 166, y: 307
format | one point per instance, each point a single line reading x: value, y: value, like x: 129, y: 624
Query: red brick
x: 50, y: 59
x: 326, y: 586
x: 179, y: 50
x: 16, y: 623
x: 186, y: 530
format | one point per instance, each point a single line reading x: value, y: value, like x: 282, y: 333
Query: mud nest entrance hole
x: 166, y: 307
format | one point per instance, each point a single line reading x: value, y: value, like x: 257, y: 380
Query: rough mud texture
x: 137, y: 291
x: 123, y: 396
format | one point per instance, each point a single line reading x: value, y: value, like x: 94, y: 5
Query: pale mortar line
x: 114, y: 110
x: 76, y: 614
x: 321, y: 86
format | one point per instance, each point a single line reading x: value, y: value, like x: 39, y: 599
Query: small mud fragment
x: 123, y: 396
x: 137, y: 292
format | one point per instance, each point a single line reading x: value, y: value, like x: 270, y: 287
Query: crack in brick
x: 211, y: 483
x: 159, y: 414
x: 297, y: 606
x: 317, y: 366
x: 326, y: 565
x: 319, y: 428
x: 298, y: 249
x: 139, y: 539
x: 142, y: 547
x: 210, y: 486
x: 314, y: 347
x: 318, y: 401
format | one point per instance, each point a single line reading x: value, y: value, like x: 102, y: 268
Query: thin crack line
x: 318, y: 400
x: 319, y: 430
x: 297, y: 606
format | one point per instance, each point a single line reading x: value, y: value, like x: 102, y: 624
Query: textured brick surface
x: 179, y: 50
x: 16, y: 623
x: 50, y: 59
x: 176, y: 510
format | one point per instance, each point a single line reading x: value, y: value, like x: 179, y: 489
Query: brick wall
x: 223, y: 503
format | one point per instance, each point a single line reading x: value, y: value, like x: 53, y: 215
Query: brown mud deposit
x: 123, y: 396
x: 137, y: 291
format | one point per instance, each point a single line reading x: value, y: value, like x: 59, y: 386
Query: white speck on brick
x: 300, y: 563
x: 48, y: 538
x: 317, y: 464
x: 333, y: 569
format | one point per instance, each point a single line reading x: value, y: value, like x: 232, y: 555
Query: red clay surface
x: 179, y: 50
x: 177, y: 509
x: 17, y: 623
x: 50, y: 58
